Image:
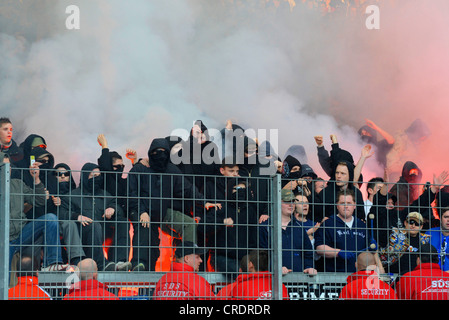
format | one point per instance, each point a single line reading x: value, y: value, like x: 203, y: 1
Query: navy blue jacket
x: 336, y: 234
x: 297, y: 250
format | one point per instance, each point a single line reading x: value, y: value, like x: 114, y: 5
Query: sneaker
x: 123, y: 266
x: 58, y: 267
x: 109, y: 267
x: 139, y: 267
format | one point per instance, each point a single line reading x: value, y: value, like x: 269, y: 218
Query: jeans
x: 46, y: 226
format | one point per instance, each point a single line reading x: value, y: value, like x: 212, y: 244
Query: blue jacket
x: 440, y: 242
x: 336, y: 234
x: 297, y: 251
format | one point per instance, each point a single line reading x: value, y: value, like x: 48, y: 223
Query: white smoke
x: 137, y: 70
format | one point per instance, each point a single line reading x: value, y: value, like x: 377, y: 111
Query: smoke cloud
x: 139, y: 70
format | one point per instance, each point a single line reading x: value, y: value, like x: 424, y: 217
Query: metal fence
x: 260, y: 242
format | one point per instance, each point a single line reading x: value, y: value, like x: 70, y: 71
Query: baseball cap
x: 287, y: 195
x: 415, y: 216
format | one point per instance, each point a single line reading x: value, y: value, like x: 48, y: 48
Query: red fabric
x: 254, y: 286
x: 90, y: 290
x: 366, y: 285
x: 182, y: 283
x: 27, y: 289
x: 426, y: 282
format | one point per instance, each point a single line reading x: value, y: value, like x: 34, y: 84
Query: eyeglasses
x: 414, y: 223
x: 62, y: 174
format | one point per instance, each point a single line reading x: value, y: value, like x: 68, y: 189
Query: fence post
x: 4, y: 230
x: 277, y: 237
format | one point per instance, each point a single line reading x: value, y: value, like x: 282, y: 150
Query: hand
x: 228, y: 222
x: 131, y: 155
x: 333, y: 138
x: 310, y: 271
x: 346, y: 255
x: 312, y: 230
x: 319, y: 140
x: 34, y: 171
x: 84, y: 220
x: 209, y: 205
x: 278, y: 164
x: 56, y: 201
x: 371, y: 124
x: 145, y: 220
x: 108, y: 213
x: 367, y: 151
x: 229, y: 125
x: 102, y: 141
x: 263, y: 218
x: 285, y: 270
x: 145, y: 162
x: 439, y: 181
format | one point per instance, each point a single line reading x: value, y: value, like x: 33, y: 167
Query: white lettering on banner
x: 372, y: 22
x: 375, y: 292
x: 73, y: 20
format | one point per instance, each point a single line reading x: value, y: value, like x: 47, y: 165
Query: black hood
x: 39, y: 153
x: 159, y: 161
x: 27, y: 144
x: 67, y: 167
x: 408, y: 166
x: 86, y: 183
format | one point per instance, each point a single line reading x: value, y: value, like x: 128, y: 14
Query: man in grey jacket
x: 22, y: 231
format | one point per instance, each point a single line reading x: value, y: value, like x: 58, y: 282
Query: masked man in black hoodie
x: 156, y: 193
x: 95, y: 209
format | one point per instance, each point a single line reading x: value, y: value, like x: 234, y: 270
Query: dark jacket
x: 155, y: 190
x: 406, y: 188
x: 87, y: 200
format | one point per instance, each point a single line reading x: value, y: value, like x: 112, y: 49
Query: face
x: 390, y: 204
x: 230, y: 171
x: 376, y: 189
x: 117, y: 164
x: 198, y: 134
x: 341, y: 175
x: 193, y: 260
x: 62, y: 174
x: 345, y: 206
x: 412, y: 226
x: 295, y: 169
x: 301, y: 205
x: 287, y: 207
x: 94, y: 173
x: 445, y: 221
x: 42, y: 160
x: 6, y: 133
x: 319, y: 185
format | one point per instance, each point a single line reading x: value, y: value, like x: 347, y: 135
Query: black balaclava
x: 159, y: 160
x: 93, y: 184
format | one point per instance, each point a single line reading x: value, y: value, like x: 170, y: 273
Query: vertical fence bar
x: 4, y: 230
x: 277, y: 237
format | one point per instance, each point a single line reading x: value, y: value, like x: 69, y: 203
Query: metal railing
x: 134, y: 199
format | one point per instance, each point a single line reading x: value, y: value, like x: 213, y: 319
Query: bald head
x: 364, y: 260
x: 88, y: 269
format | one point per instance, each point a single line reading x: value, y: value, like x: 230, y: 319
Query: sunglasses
x: 43, y: 161
x: 414, y: 223
x: 62, y: 174
x: 118, y: 166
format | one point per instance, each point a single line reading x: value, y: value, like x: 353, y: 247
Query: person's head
x: 287, y: 202
x: 4, y: 158
x: 346, y: 204
x: 320, y: 184
x: 413, y: 223
x: 427, y: 254
x: 229, y: 168
x: 444, y: 219
x: 87, y: 269
x: 364, y: 260
x: 391, y: 202
x: 62, y: 174
x: 91, y: 179
x: 27, y: 266
x: 258, y: 261
x: 188, y: 253
x: 5, y: 131
x: 117, y: 161
x: 291, y: 168
x: 159, y: 155
x: 374, y: 185
x: 342, y: 175
x: 301, y: 205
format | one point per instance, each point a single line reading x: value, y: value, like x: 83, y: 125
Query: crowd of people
x: 216, y: 194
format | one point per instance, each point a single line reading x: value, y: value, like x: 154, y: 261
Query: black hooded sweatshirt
x: 159, y: 187
x: 89, y: 199
x: 326, y: 200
